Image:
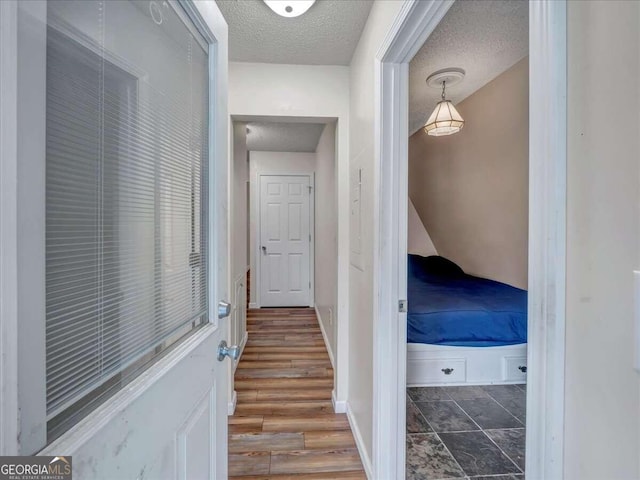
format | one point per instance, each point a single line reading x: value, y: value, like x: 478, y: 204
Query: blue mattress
x: 449, y: 307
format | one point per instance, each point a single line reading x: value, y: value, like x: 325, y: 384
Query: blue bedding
x: 448, y: 307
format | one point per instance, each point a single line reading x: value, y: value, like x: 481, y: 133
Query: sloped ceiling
x: 483, y: 37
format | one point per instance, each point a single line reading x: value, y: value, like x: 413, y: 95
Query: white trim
x: 231, y: 407
x: 22, y: 279
x: 253, y: 305
x: 547, y: 237
x: 9, y: 429
x: 416, y: 20
x: 339, y: 406
x: 325, y: 338
x: 362, y: 450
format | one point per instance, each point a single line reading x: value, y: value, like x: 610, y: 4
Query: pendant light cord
x: 443, y: 85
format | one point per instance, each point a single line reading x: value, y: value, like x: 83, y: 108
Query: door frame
x: 208, y: 19
x: 312, y: 222
x: 9, y: 403
x: 547, y: 233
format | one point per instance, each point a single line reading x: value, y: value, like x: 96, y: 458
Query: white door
x: 129, y: 159
x: 285, y: 240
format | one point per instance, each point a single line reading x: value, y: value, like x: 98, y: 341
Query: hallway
x: 284, y: 426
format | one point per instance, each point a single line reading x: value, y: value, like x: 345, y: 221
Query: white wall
x: 326, y: 241
x: 319, y: 93
x: 361, y: 144
x: 602, y: 404
x: 270, y: 163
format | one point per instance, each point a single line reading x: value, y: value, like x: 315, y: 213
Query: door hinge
x: 309, y: 238
x: 402, y: 306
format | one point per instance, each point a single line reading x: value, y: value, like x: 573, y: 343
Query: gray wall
x: 471, y: 188
x: 361, y: 156
x: 602, y: 402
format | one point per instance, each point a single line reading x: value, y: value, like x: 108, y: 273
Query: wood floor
x: 284, y: 426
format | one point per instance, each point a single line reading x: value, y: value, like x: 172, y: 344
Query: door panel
x: 166, y: 424
x: 274, y: 225
x: 295, y: 272
x: 285, y: 253
x: 195, y: 440
x: 295, y: 222
x: 273, y: 264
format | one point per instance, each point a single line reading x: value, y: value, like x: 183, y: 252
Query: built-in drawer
x: 452, y: 370
x: 514, y: 369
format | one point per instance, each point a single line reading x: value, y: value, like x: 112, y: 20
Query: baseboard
x: 339, y: 406
x: 231, y: 406
x: 253, y: 305
x: 364, y: 456
x: 326, y: 339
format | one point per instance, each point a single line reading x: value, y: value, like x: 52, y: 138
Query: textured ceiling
x: 483, y: 37
x: 283, y: 137
x: 325, y: 35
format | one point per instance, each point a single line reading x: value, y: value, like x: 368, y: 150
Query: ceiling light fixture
x: 289, y: 8
x: 445, y: 119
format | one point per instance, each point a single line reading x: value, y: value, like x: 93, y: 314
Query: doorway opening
x: 286, y: 245
x: 284, y: 220
x: 467, y: 244
x: 284, y: 197
x: 546, y: 236
x: 279, y: 167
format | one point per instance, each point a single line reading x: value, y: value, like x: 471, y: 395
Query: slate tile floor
x: 466, y: 432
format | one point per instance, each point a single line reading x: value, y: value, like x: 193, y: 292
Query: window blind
x: 126, y: 187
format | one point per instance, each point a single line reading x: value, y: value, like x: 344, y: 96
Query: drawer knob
x: 523, y: 368
x: 447, y: 371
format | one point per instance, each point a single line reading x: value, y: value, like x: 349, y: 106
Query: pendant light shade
x: 290, y: 8
x: 445, y: 120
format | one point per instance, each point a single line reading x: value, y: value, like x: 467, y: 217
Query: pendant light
x: 289, y: 8
x: 445, y: 119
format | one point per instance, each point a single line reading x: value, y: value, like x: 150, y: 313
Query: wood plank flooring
x: 284, y: 427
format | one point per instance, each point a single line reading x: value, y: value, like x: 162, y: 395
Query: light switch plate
x: 636, y: 320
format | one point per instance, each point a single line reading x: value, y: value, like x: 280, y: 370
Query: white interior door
x: 155, y: 158
x: 285, y: 240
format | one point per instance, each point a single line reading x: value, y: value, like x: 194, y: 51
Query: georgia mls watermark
x: 35, y: 468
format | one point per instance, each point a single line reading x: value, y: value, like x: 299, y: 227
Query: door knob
x: 224, y: 309
x: 226, y: 351
x: 264, y: 249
